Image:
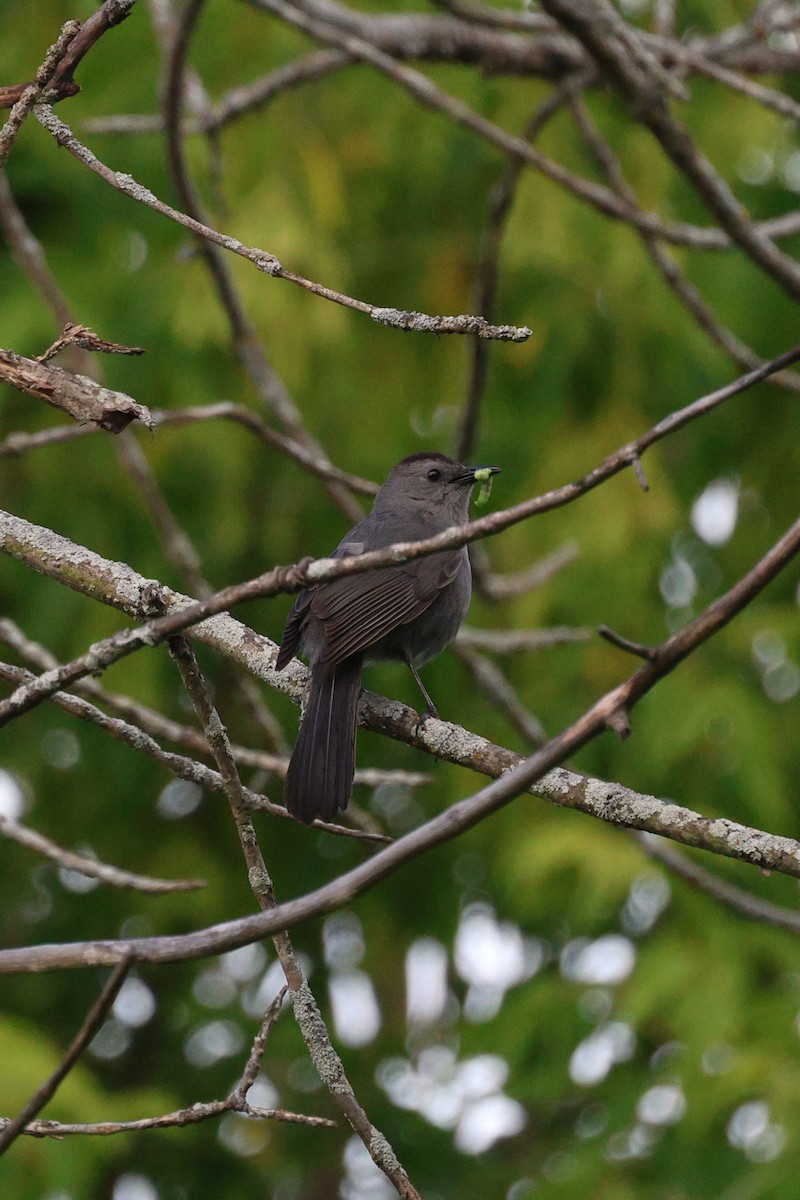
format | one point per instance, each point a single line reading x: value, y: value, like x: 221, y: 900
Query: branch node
x: 638, y: 471
x: 648, y: 653
x: 86, y: 339
x: 267, y: 263
x: 153, y: 598
x: 619, y: 723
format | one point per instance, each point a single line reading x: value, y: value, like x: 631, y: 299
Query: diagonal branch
x: 263, y: 259
x: 236, y: 1101
x: 608, y: 39
x: 94, y: 1020
x: 327, y: 1062
x: 610, y: 711
x: 81, y: 397
x: 32, y: 93
x: 296, y: 576
x: 70, y: 861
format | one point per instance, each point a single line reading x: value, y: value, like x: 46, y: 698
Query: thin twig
x: 62, y: 83
x: 498, y: 688
x: 591, y: 24
x: 648, y: 653
x: 177, y: 764
x: 719, y: 889
x: 666, y: 264
x: 327, y: 1062
x: 33, y: 92
x: 69, y: 860
x: 94, y: 1020
x: 309, y: 571
x: 493, y: 587
x: 263, y: 259
x: 247, y: 98
x: 520, y: 641
x: 721, y: 836
x: 501, y: 200
x: 318, y: 22
x: 236, y: 1101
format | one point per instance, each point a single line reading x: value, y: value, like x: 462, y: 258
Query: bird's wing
x: 359, y: 610
x: 293, y: 630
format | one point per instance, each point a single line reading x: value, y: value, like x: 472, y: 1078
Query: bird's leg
x: 431, y: 707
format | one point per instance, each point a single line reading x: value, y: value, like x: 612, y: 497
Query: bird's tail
x: 320, y: 775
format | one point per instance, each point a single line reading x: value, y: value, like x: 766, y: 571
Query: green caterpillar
x: 484, y: 478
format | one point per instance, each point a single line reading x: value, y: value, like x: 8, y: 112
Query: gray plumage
x: 408, y: 612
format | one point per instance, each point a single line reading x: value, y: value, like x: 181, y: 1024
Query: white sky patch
x: 257, y: 997
x: 12, y: 797
x: 663, y: 1104
x: 465, y: 1097
x: 649, y: 896
x: 343, y: 941
x: 678, y: 583
x: 751, y: 1131
x: 426, y: 981
x: 134, y: 1187
x: 244, y: 964
x: 212, y: 1042
x: 487, y: 1121
x: 791, y: 171
x: 242, y: 1137
x: 61, y: 749
x: 135, y: 1003
x: 756, y: 166
x: 715, y: 512
x: 606, y: 961
x: 356, y: 1012
x: 76, y: 881
x: 593, y: 1058
x: 492, y: 956
x: 111, y: 1041
x: 262, y: 1093
x: 363, y: 1180
x: 214, y: 988
x: 178, y: 799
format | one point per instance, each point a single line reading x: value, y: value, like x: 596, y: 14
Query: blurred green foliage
x: 350, y: 183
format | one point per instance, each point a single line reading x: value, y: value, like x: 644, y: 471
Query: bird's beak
x: 477, y: 475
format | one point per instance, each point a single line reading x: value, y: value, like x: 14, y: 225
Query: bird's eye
x: 434, y: 474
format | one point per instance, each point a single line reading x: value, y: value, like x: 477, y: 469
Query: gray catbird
x: 409, y: 612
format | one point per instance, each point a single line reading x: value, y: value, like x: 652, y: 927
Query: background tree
x: 544, y: 1004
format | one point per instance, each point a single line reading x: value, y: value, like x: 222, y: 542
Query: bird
x: 409, y: 612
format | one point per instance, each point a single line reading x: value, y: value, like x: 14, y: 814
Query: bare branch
x: 608, y: 39
x: 176, y: 764
x: 86, y: 339
x: 94, y: 1020
x: 726, y: 893
x: 91, y: 867
x: 669, y: 269
x: 501, y: 200
x: 294, y: 577
x: 235, y: 1102
x: 519, y: 641
x: 327, y: 1062
x: 263, y: 259
x: 497, y: 687
x: 77, y: 395
x: 493, y: 587
x: 31, y: 93
x: 368, y: 39
x: 181, y: 1117
x: 606, y: 801
x: 247, y: 98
